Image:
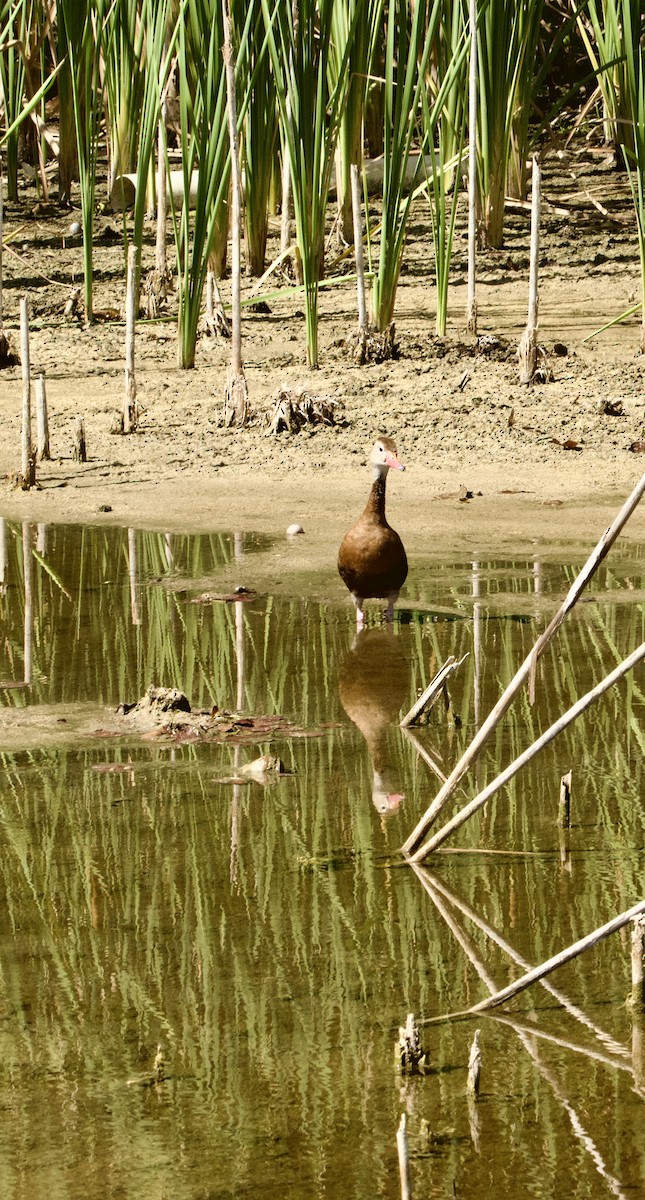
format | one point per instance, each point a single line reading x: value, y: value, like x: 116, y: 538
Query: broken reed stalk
x: 210, y: 297
x: 471, y: 302
x: 28, y: 464
x: 162, y: 197
x: 130, y: 398
x: 528, y: 348
x: 527, y: 668
x: 551, y: 964
x: 79, y: 452
x: 404, y: 1159
x: 512, y: 769
x: 564, y: 809
x: 4, y: 557
x: 3, y: 340
x: 236, y: 390
x: 358, y: 248
x: 474, y: 1067
x: 42, y: 424
x: 433, y: 689
x: 637, y: 997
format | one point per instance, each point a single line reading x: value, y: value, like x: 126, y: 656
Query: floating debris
x: 167, y: 713
x: 158, y: 1074
x: 239, y: 593
x: 266, y: 764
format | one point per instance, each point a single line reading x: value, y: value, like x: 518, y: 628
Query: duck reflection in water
x: 373, y: 684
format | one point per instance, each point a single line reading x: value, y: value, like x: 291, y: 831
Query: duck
x: 372, y: 561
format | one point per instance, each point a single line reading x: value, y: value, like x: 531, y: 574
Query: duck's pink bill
x: 393, y: 462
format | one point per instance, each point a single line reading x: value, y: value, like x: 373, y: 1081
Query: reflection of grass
x: 263, y: 933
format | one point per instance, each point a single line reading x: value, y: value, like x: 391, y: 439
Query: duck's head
x: 384, y: 457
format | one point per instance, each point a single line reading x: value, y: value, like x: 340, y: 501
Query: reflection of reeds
x: 285, y: 979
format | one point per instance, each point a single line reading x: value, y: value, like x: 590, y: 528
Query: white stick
x: 527, y: 352
x: 42, y: 425
x: 4, y: 558
x: 471, y: 303
x: 1, y: 231
x: 27, y: 464
x: 638, y: 963
x: 162, y: 197
x: 236, y: 201
x: 512, y: 769
x: 503, y: 704
x: 130, y: 398
x: 358, y: 246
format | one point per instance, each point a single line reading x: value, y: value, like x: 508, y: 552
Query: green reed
x: 310, y: 103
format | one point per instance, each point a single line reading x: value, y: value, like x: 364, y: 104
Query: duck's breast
x: 371, y: 560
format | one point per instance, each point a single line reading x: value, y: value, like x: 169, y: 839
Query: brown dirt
x: 491, y: 437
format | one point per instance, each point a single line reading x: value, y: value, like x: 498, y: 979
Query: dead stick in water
x: 503, y: 704
x: 564, y: 808
x: 512, y: 769
x: 637, y: 997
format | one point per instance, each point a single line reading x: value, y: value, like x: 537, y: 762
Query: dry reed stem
x: 599, y: 552
x: 512, y: 769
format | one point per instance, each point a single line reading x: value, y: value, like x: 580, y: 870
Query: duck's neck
x: 375, y: 506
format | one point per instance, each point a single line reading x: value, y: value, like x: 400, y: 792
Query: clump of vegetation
x: 86, y: 88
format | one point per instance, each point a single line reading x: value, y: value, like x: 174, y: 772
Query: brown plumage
x: 371, y: 559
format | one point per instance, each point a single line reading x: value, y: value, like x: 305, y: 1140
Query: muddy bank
x: 549, y: 463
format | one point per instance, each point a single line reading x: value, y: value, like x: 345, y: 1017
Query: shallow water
x: 267, y: 935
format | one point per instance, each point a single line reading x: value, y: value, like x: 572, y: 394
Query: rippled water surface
x: 266, y: 934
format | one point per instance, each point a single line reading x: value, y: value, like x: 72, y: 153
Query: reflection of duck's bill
x: 386, y: 802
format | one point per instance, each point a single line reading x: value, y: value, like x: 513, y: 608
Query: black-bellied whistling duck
x: 371, y: 559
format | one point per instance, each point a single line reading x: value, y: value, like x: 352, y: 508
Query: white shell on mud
x: 74, y: 229
x: 294, y: 529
